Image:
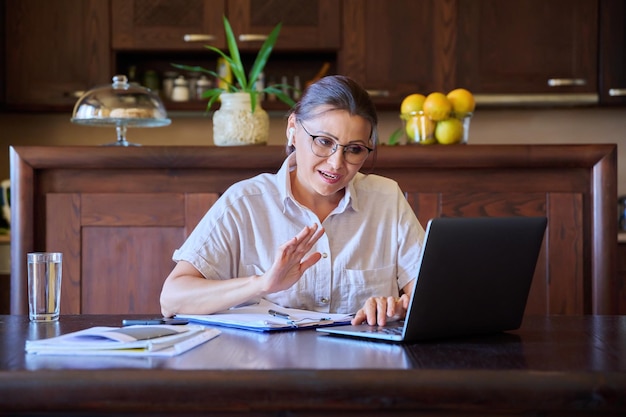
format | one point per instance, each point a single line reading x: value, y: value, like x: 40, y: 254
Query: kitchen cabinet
x: 57, y: 49
x: 612, y: 60
x: 120, y: 212
x: 166, y: 24
x: 544, y: 50
x: 190, y: 24
x: 150, y: 35
x: 395, y: 48
x: 526, y: 47
x: 306, y: 24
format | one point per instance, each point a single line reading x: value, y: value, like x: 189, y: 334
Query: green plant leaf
x: 253, y: 98
x: 193, y: 68
x: 213, y: 95
x: 234, y: 60
x: 263, y: 56
x: 395, y: 137
x: 241, y: 83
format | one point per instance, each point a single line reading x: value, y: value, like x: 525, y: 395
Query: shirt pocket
x: 360, y: 284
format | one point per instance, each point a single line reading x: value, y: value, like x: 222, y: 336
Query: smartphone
x: 162, y: 320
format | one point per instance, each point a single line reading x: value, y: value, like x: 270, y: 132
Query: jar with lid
x: 202, y: 85
x: 168, y: 83
x: 180, y: 92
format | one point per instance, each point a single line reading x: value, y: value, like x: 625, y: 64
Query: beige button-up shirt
x: 371, y: 246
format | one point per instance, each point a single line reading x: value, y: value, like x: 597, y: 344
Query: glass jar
x: 234, y: 123
x: 180, y: 92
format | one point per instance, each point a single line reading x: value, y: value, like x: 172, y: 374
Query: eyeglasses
x: 324, y: 147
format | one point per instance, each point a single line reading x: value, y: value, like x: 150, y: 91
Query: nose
x: 337, y: 158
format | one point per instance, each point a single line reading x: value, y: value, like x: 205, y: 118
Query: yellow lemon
x: 420, y: 129
x: 437, y: 106
x: 412, y: 128
x: 412, y: 103
x: 463, y: 102
x: 449, y: 131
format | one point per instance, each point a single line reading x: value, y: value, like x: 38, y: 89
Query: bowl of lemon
x: 437, y: 118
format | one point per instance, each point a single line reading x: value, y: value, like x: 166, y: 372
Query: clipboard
x: 257, y: 317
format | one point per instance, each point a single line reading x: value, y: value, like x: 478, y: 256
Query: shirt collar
x: 349, y: 199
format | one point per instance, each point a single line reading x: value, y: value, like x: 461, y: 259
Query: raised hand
x: 290, y: 263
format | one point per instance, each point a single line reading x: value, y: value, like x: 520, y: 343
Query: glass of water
x: 44, y: 285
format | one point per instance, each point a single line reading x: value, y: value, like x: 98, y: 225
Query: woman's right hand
x: 289, y: 264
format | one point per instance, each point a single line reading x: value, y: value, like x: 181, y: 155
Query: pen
x: 279, y: 314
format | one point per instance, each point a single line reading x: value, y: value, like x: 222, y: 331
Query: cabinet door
x: 612, y: 81
x: 394, y: 48
x: 167, y: 24
x: 531, y: 46
x: 128, y: 239
x: 57, y: 49
x: 307, y: 24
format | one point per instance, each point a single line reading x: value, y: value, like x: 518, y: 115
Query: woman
x: 318, y: 235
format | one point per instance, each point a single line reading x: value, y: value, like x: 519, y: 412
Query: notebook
x: 474, y: 278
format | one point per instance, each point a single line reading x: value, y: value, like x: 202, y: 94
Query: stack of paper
x: 160, y: 340
x: 266, y: 316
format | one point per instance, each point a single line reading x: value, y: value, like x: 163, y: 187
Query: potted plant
x: 240, y: 119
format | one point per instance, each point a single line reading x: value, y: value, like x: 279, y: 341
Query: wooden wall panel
x: 135, y: 205
x: 132, y: 262
x: 129, y: 238
x: 196, y: 205
x: 63, y: 235
x: 142, y: 209
x: 566, y: 269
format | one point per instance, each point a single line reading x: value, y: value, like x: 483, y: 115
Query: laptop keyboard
x: 386, y: 330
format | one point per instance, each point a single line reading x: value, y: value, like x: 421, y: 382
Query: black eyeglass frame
x: 336, y: 146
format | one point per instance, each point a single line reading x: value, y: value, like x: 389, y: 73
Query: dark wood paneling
x: 170, y: 188
x: 63, y: 234
x: 57, y: 50
x: 133, y: 261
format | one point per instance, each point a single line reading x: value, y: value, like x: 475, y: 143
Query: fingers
x: 381, y: 310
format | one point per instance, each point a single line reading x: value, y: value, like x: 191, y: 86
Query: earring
x: 290, y: 137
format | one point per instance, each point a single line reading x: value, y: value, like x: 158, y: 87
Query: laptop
x: 474, y: 278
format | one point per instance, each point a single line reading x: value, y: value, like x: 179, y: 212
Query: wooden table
x: 552, y: 366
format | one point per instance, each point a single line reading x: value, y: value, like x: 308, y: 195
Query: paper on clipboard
x: 257, y: 317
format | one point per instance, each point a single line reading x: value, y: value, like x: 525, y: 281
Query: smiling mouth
x: 329, y: 176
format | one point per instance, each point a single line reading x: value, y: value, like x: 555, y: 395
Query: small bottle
x: 193, y: 80
x: 297, y: 88
x: 181, y: 89
x: 168, y: 83
x: 271, y: 96
x: 260, y: 86
x: 202, y: 85
x: 151, y: 80
x: 285, y: 85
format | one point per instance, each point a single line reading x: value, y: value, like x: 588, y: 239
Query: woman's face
x: 327, y: 176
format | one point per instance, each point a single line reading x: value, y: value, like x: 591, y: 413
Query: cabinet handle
x: 251, y: 37
x: 378, y: 93
x: 617, y: 92
x: 198, y: 37
x: 74, y: 94
x: 559, y: 82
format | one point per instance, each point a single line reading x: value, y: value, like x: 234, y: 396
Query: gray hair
x: 339, y: 93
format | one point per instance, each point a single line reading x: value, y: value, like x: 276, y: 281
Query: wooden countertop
x: 554, y: 365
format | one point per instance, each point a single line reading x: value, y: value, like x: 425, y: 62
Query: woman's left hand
x: 381, y: 310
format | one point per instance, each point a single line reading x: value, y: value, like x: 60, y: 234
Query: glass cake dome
x: 122, y: 105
